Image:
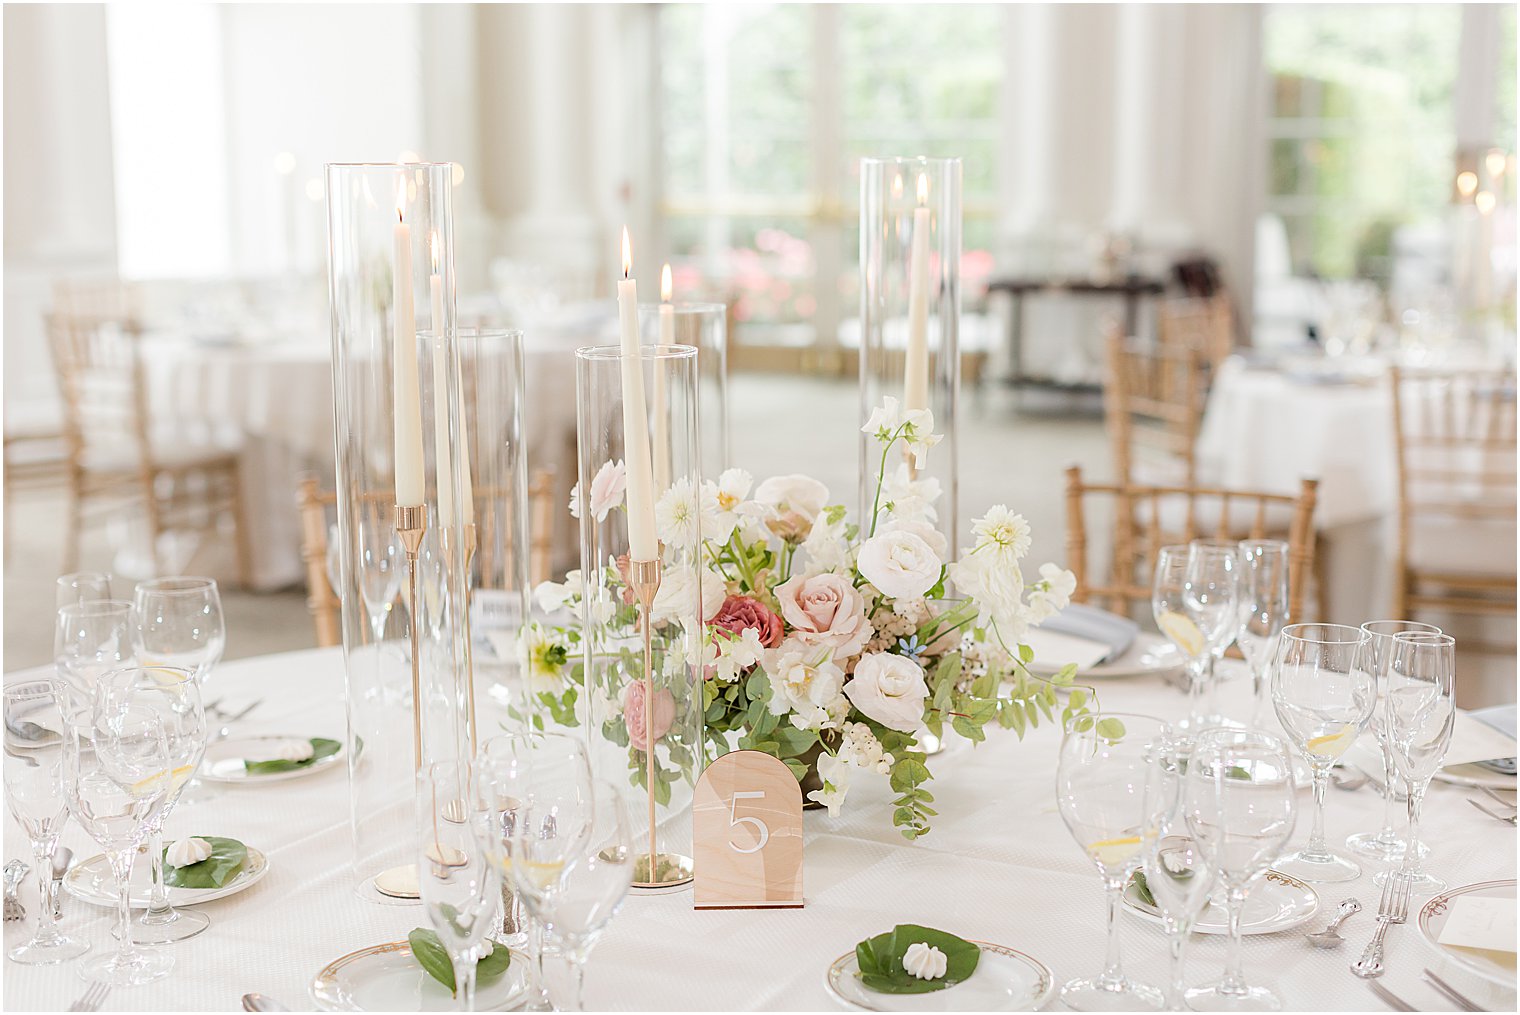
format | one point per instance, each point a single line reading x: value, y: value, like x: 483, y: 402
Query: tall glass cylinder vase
x: 703, y: 326
x: 391, y: 291
x: 910, y: 289
x: 642, y: 699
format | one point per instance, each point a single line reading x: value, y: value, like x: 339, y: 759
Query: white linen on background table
x: 999, y: 865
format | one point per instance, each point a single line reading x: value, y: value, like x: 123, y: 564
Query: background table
x: 999, y: 865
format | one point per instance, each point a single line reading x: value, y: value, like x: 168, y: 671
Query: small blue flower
x: 910, y: 647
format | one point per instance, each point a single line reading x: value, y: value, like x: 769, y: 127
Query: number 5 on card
x: 747, y: 827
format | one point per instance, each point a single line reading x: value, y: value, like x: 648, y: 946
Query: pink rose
x: 633, y: 715
x: 741, y: 612
x: 826, y: 610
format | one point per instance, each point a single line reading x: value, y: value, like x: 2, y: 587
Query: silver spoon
x: 1328, y: 938
x: 1348, y: 779
x: 259, y: 1002
x: 61, y: 859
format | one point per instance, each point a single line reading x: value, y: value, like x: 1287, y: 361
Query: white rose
x: 900, y: 564
x: 890, y: 689
x: 800, y: 494
x: 921, y: 528
x: 677, y: 595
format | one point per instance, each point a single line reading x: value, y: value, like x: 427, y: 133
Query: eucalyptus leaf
x: 881, y: 960
x: 225, y: 863
x: 320, y: 748
x: 430, y: 954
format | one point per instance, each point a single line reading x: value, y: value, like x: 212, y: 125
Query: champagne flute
x: 1263, y: 612
x: 379, y: 571
x: 116, y: 773
x: 1176, y: 873
x: 1100, y: 787
x: 1386, y: 844
x: 82, y: 587
x: 1324, y: 691
x: 1240, y: 806
x: 91, y: 639
x: 173, y: 696
x: 575, y: 885
x: 1210, y: 597
x: 34, y: 793
x: 459, y: 885
x: 180, y: 624
x: 1421, y: 713
x: 1168, y: 587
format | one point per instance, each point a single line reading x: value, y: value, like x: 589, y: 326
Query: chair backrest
x: 1203, y: 325
x: 321, y: 600
x: 100, y: 379
x: 1153, y: 399
x: 1146, y: 518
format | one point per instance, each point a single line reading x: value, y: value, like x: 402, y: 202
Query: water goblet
x: 1210, y: 597
x: 34, y: 793
x: 180, y: 624
x: 172, y: 695
x: 459, y: 885
x: 1263, y: 612
x: 1324, y: 692
x: 1387, y: 843
x: 1240, y: 804
x: 89, y: 640
x: 1420, y: 710
x: 574, y: 885
x: 1177, y: 876
x: 1100, y: 787
x: 116, y: 773
x: 82, y: 587
x: 1168, y: 589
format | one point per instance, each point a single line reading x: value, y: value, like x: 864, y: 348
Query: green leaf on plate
x: 320, y: 748
x: 225, y: 863
x: 430, y: 954
x: 881, y: 960
x: 1143, y: 889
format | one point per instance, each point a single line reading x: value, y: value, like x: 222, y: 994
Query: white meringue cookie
x: 185, y: 852
x: 284, y: 750
x: 925, y: 961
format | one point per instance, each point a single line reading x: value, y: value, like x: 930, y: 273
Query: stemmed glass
x: 1168, y: 591
x: 1210, y: 597
x: 1240, y: 805
x: 116, y: 773
x: 82, y: 587
x: 380, y: 572
x: 1100, y: 786
x: 574, y: 885
x: 1421, y: 713
x: 459, y: 884
x: 91, y: 639
x: 180, y: 624
x: 1176, y: 873
x: 1263, y: 611
x: 1324, y: 691
x: 34, y: 794
x: 1386, y: 843
x: 174, y: 697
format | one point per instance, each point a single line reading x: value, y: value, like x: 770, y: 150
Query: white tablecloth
x: 999, y: 865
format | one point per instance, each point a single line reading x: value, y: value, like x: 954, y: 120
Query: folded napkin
x: 1500, y: 717
x: 1094, y: 625
x: 1475, y: 739
x: 1053, y: 650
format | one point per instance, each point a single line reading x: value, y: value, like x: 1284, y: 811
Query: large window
x: 765, y: 112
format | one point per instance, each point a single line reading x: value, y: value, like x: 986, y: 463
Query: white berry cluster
x: 861, y: 748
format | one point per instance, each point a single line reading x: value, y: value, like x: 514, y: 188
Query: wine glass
x: 91, y: 639
x: 1176, y: 874
x: 379, y: 572
x: 574, y: 885
x: 172, y: 695
x: 1168, y: 587
x: 116, y: 773
x: 180, y: 624
x: 1263, y: 611
x: 459, y: 885
x: 1210, y: 597
x: 1386, y: 844
x: 1240, y: 806
x: 34, y: 793
x: 1100, y: 786
x: 83, y: 587
x: 1324, y: 691
x: 1421, y: 713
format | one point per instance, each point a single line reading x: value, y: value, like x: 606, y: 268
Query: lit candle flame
x: 897, y: 186
x: 923, y: 189
x: 1495, y: 160
x: 400, y: 200
x: 1467, y: 182
x: 627, y: 254
x: 666, y: 288
x: 1484, y: 202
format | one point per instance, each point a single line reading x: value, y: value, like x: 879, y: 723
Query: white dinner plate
x: 1475, y: 776
x: 224, y: 760
x: 1150, y: 654
x: 387, y: 978
x: 91, y: 881
x: 1492, y: 966
x: 1277, y: 902
x: 1005, y: 980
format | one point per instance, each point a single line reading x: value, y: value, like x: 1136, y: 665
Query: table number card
x: 747, y: 829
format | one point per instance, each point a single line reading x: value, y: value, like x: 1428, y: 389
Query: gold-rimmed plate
x: 1006, y: 979
x: 224, y: 760
x: 1496, y: 967
x: 387, y: 978
x: 1276, y: 903
x: 91, y: 881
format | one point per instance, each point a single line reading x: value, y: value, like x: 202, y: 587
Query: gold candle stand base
x: 660, y: 870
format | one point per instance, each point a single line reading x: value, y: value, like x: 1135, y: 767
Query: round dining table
x: 998, y: 866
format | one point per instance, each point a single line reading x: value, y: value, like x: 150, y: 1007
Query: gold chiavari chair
x: 1203, y: 513
x: 114, y: 452
x: 1454, y: 431
x: 1153, y: 399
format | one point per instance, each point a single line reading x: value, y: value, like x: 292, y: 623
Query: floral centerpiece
x: 832, y: 646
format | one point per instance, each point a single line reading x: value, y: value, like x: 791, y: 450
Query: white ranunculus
x: 919, y: 527
x: 677, y: 595
x: 890, y: 689
x: 798, y: 494
x: 836, y: 775
x: 901, y: 564
x: 806, y: 682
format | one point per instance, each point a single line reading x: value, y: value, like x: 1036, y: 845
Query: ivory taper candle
x: 406, y: 396
x: 643, y: 544
x: 916, y: 368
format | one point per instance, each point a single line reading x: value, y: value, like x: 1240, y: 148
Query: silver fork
x: 1488, y: 791
x: 1393, y: 907
x: 1513, y: 819
x: 1391, y: 999
x: 94, y: 997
